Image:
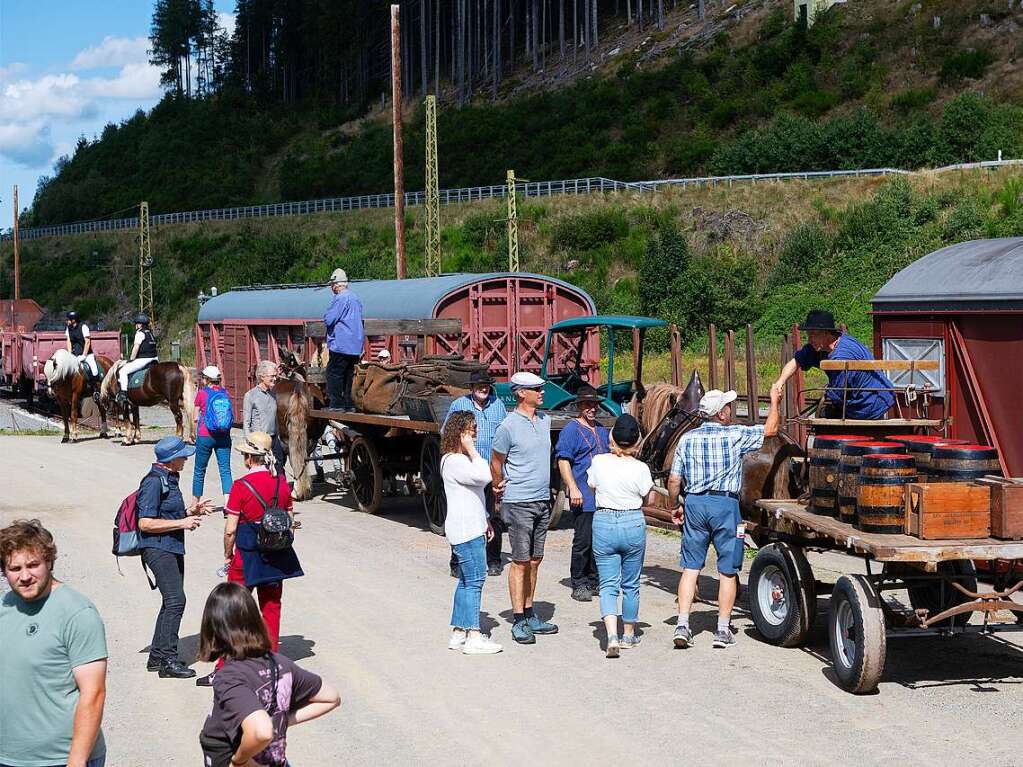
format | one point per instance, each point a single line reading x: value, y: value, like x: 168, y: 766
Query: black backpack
x: 273, y: 531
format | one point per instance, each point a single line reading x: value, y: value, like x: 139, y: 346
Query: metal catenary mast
x: 433, y: 264
x: 145, y: 265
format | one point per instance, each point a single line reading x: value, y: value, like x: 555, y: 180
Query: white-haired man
x: 345, y: 340
x: 259, y: 408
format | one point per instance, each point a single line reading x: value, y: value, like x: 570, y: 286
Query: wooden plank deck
x: 794, y: 518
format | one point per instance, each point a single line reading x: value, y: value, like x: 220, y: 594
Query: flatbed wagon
x: 939, y: 576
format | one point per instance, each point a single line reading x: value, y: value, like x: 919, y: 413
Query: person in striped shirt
x: 489, y: 412
x: 709, y: 458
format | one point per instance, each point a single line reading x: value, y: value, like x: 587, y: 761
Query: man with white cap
x: 520, y: 465
x: 710, y: 459
x: 345, y: 340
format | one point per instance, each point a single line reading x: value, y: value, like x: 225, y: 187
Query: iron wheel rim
x: 434, y: 501
x: 362, y: 474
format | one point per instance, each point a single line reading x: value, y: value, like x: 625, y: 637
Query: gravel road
x: 371, y: 617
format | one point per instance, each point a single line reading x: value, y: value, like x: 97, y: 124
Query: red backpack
x: 126, y: 523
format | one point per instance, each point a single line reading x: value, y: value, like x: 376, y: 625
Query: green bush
x: 589, y: 230
x: 804, y: 251
x: 961, y: 64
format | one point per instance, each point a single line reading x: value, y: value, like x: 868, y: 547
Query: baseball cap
x: 626, y: 431
x: 169, y: 448
x: 712, y: 402
x: 338, y: 275
x: 526, y: 380
x: 212, y: 372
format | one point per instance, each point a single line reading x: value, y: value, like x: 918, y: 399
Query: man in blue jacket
x: 867, y: 394
x: 345, y: 340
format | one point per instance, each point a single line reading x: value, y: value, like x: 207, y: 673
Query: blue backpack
x: 219, y: 415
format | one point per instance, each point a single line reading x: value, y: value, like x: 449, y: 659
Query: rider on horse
x: 79, y: 343
x: 143, y: 353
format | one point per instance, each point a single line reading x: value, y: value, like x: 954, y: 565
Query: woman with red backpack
x: 258, y: 533
x: 215, y: 417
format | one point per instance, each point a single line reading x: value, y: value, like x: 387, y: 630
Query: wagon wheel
x: 435, y: 503
x: 856, y: 633
x: 366, y: 474
x: 560, y: 501
x: 782, y: 595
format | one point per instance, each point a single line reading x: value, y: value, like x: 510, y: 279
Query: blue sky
x: 67, y: 68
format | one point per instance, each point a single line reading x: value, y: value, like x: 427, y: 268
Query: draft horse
x: 297, y: 430
x: 167, y: 383
x: 66, y: 383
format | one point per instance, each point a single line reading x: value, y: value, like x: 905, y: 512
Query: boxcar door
x: 237, y: 369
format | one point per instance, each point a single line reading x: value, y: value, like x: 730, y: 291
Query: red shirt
x: 243, y: 504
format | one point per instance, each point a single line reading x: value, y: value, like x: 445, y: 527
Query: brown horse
x: 67, y: 384
x: 167, y: 383
x: 299, y: 433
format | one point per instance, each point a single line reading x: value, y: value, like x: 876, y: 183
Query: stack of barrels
x: 824, y: 458
x: 922, y: 447
x: 881, y: 479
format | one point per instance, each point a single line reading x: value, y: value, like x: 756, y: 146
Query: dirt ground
x: 371, y: 616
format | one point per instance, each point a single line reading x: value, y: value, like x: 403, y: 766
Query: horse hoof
x: 65, y: 440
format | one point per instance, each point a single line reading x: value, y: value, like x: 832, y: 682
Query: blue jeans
x: 472, y: 572
x: 204, y: 448
x: 619, y: 543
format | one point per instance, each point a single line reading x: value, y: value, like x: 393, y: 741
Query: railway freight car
x: 504, y: 319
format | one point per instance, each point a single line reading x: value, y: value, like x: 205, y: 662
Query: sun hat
x: 212, y: 372
x: 713, y: 401
x: 169, y: 448
x: 818, y: 319
x: 587, y: 393
x: 339, y: 276
x: 525, y: 380
x: 625, y: 432
x: 256, y: 443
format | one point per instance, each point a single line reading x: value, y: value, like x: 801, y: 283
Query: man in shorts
x: 710, y: 459
x: 520, y: 463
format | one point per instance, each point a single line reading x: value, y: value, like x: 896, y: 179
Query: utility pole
x: 433, y: 265
x: 145, y: 265
x: 513, y: 226
x: 399, y: 165
x: 17, y: 251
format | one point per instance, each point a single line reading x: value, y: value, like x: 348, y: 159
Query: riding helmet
x: 72, y: 315
x: 141, y: 319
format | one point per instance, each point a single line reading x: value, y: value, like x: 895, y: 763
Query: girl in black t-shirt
x: 257, y: 693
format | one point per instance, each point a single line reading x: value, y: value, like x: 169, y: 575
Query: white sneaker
x: 481, y: 645
x: 457, y: 640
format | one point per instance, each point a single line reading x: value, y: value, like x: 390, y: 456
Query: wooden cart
x: 938, y: 574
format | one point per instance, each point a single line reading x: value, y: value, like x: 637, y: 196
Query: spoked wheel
x: 435, y: 503
x: 783, y: 595
x: 856, y: 634
x: 367, y: 476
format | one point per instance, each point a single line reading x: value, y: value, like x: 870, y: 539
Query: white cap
x: 712, y: 402
x: 339, y: 276
x: 383, y: 354
x: 212, y: 372
x: 526, y: 380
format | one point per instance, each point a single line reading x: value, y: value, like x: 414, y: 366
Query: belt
x: 725, y: 493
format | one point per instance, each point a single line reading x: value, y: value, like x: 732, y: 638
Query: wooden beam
x: 712, y: 357
x: 730, y: 360
x: 676, y: 356
x: 879, y: 364
x: 371, y: 327
x: 399, y: 162
x: 752, y: 400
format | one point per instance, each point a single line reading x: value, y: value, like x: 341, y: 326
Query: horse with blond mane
x: 167, y: 383
x: 67, y: 384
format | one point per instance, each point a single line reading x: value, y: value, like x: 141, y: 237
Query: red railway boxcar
x: 963, y: 305
x: 504, y: 316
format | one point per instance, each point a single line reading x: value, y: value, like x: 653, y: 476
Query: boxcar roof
x: 411, y: 299
x: 978, y: 274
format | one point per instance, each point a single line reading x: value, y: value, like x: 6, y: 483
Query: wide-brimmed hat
x: 587, y: 393
x: 818, y: 319
x: 256, y: 443
x: 525, y: 380
x: 626, y: 431
x: 480, y: 378
x: 169, y: 448
x: 212, y: 372
x: 713, y: 401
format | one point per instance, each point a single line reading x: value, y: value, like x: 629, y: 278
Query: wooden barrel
x: 830, y: 445
x: 921, y: 447
x: 964, y: 463
x: 849, y: 472
x: 880, y: 506
x: 823, y: 486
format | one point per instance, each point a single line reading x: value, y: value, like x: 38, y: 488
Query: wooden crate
x: 948, y: 510
x: 1006, y: 506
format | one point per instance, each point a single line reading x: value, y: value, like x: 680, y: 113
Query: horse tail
x: 187, y: 398
x: 297, y: 415
x: 108, y: 389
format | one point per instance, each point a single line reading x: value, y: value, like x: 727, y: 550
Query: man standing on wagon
x: 868, y: 394
x: 345, y: 340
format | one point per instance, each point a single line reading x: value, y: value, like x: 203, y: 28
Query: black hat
x: 818, y: 319
x: 626, y: 431
x: 480, y: 378
x: 587, y: 393
x: 72, y: 315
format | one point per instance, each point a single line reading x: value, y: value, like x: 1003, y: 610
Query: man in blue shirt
x: 345, y: 340
x: 580, y: 440
x: 489, y: 412
x: 867, y: 394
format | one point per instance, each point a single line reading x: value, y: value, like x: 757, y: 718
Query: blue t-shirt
x: 526, y: 445
x: 156, y: 503
x: 867, y: 405
x: 577, y: 444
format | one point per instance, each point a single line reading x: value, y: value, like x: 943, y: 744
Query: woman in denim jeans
x: 622, y: 485
x: 465, y: 476
x: 208, y: 443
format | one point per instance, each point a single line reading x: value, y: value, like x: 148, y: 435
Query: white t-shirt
x: 464, y: 482
x: 83, y: 326
x: 139, y: 337
x: 619, y: 482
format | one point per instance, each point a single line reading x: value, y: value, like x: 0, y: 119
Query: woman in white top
x: 465, y: 475
x: 622, y: 485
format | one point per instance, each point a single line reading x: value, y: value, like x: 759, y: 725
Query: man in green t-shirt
x: 54, y: 660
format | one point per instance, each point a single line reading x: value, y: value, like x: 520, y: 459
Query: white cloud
x: 113, y: 52
x: 134, y: 81
x: 226, y: 21
x: 26, y: 143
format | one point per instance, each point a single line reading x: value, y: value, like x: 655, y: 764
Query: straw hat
x: 257, y: 443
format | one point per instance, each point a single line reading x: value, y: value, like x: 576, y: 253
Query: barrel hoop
x: 867, y: 480
x: 820, y: 460
x: 868, y: 528
x: 964, y: 454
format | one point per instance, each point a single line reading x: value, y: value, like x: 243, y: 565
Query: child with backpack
x: 215, y: 416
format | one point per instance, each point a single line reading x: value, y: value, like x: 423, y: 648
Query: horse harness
x: 674, y: 421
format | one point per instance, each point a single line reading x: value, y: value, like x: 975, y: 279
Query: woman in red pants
x: 248, y: 562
